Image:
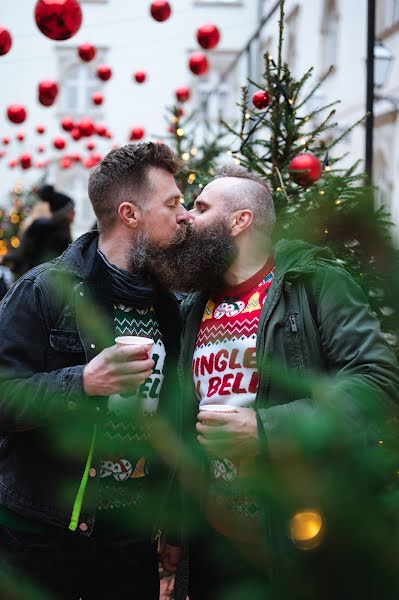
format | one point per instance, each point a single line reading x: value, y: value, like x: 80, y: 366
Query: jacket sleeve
x: 361, y: 386
x: 30, y: 396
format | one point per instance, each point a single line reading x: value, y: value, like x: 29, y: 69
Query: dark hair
x: 254, y: 194
x: 122, y: 175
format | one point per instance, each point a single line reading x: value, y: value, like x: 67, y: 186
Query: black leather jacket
x: 53, y: 321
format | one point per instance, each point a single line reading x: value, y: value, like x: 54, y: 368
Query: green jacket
x: 318, y: 344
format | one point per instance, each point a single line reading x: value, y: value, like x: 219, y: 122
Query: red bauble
x: 12, y: 163
x: 198, y: 63
x: 86, y: 52
x: 183, y: 94
x: 96, y: 157
x: 305, y: 169
x: 41, y: 164
x: 104, y: 72
x: 137, y: 133
x: 59, y: 143
x: 6, y: 140
x: 16, y: 113
x: 25, y: 160
x: 58, y: 19
x: 88, y: 163
x: 208, y: 36
x: 97, y: 98
x: 108, y: 135
x: 75, y: 133
x: 140, y: 76
x: 40, y: 129
x: 67, y: 123
x: 48, y: 88
x: 76, y: 157
x: 20, y: 136
x: 261, y: 99
x: 90, y: 146
x: 40, y: 149
x: 5, y: 41
x: 46, y: 100
x: 86, y: 127
x: 65, y: 162
x: 160, y: 10
x: 101, y: 130
x: 2, y: 153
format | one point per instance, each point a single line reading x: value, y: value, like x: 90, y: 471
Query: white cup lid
x: 134, y: 340
x: 218, y: 408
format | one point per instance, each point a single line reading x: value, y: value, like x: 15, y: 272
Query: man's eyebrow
x: 201, y: 202
x: 173, y: 197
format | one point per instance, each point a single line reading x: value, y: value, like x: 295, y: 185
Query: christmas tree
x: 316, y: 200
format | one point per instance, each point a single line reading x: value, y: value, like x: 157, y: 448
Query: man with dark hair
x: 261, y: 320
x: 81, y: 489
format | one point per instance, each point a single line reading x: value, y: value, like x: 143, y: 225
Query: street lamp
x: 383, y: 62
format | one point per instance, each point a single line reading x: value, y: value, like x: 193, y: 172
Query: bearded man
x: 81, y: 490
x: 260, y: 322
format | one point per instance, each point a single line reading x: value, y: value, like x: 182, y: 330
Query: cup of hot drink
x: 135, y: 340
x: 219, y: 408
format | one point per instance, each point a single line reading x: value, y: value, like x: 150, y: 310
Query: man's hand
x: 229, y: 434
x: 170, y: 556
x: 116, y: 370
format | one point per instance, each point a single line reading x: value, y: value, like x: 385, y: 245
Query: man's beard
x: 194, y: 259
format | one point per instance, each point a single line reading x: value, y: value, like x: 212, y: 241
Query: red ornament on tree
x: 305, y: 169
x: 59, y: 143
x: 6, y: 140
x: 20, y: 136
x: 97, y: 98
x: 140, y: 76
x: 198, y: 63
x: 58, y: 19
x: 25, y: 160
x: 137, y: 133
x: 67, y: 123
x: 86, y: 52
x: 104, y: 72
x: 75, y: 133
x: 160, y: 10
x: 101, y: 130
x: 261, y: 99
x: 86, y: 127
x: 40, y: 129
x: 16, y: 113
x: 208, y: 36
x: 183, y: 94
x: 5, y: 41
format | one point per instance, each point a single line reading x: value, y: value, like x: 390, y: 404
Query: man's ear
x: 241, y: 220
x: 129, y: 214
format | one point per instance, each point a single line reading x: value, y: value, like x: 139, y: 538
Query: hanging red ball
x: 46, y: 100
x: 90, y: 146
x: 67, y: 123
x: 59, y: 143
x: 5, y: 41
x: 58, y: 19
x: 96, y: 157
x: 183, y: 94
x: 101, y: 130
x: 261, y: 99
x: 140, y: 76
x: 25, y: 160
x: 65, y: 162
x: 97, y: 98
x: 160, y: 10
x: 198, y: 63
x: 86, y: 126
x: 76, y: 157
x: 6, y: 140
x: 208, y: 36
x: 137, y: 133
x: 305, y: 169
x: 40, y: 129
x: 16, y: 113
x: 12, y: 163
x: 104, y: 72
x: 40, y: 149
x: 86, y: 52
x: 47, y: 88
x: 20, y: 136
x: 75, y: 133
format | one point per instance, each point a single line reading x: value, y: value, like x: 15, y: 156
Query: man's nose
x: 184, y: 215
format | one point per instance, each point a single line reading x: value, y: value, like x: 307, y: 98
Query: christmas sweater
x: 126, y: 466
x: 225, y: 372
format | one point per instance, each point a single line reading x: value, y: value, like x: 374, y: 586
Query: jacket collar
x: 294, y: 257
x: 78, y: 259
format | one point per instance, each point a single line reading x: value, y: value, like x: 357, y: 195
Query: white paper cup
x: 220, y: 408
x: 133, y: 340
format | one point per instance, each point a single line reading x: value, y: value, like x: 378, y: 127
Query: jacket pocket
x: 62, y: 340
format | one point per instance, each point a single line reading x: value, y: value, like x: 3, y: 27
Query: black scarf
x: 129, y: 288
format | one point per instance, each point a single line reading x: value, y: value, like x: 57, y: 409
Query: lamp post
x: 379, y: 63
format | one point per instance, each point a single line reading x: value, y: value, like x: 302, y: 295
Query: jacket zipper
x: 294, y: 329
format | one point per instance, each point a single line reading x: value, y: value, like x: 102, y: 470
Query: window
x: 391, y: 13
x: 77, y: 82
x: 329, y: 34
x: 291, y: 53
